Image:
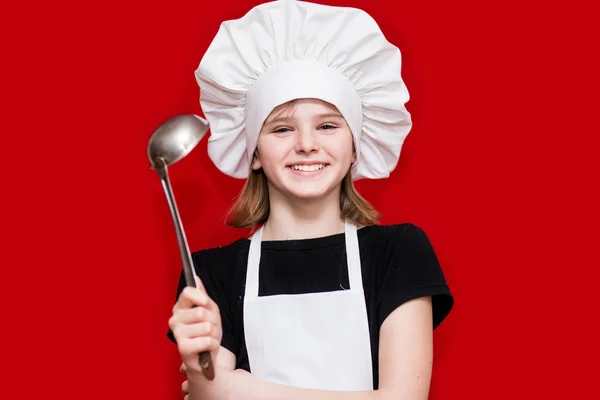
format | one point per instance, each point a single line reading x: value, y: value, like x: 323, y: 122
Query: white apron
x: 315, y: 340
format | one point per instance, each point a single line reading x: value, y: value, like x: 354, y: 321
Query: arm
x: 226, y: 360
x: 406, y: 351
x: 198, y: 329
x: 405, y: 362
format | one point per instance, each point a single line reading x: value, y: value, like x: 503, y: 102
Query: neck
x: 291, y: 219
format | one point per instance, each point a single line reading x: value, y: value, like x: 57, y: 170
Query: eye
x: 327, y: 127
x: 282, y: 129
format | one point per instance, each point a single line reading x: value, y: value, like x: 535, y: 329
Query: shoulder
x: 407, y: 268
x: 402, y: 251
x: 396, y: 235
x: 400, y: 247
x: 223, y: 260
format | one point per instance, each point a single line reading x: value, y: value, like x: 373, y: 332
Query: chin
x: 308, y: 195
x: 310, y: 191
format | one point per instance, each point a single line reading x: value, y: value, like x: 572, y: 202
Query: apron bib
x: 314, y: 340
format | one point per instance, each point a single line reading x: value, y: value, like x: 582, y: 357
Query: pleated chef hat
x: 285, y: 50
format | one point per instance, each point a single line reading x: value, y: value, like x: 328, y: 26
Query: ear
x: 256, y: 164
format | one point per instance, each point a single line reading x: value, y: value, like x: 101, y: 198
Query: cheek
x: 341, y: 147
x: 271, y: 152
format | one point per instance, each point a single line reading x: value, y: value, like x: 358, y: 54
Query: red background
x: 500, y: 170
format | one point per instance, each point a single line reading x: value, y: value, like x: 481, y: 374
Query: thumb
x: 199, y: 283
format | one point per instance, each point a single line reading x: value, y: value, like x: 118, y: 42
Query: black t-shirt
x: 398, y: 264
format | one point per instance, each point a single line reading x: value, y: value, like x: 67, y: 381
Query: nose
x: 307, y: 141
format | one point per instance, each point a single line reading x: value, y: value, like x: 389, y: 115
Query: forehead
x: 305, y: 107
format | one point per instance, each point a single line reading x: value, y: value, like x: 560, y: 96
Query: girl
x: 321, y: 302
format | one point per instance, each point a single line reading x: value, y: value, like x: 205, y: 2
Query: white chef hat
x: 285, y: 50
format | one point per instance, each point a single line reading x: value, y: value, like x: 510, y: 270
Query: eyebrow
x: 284, y: 119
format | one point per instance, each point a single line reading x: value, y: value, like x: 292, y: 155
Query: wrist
x: 248, y: 387
x: 195, y: 377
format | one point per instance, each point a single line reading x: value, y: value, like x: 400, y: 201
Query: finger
x: 186, y: 397
x: 199, y: 330
x: 195, y: 315
x: 183, y: 368
x: 183, y: 332
x: 184, y: 388
x: 191, y: 297
x: 192, y: 315
x: 190, y: 348
x: 210, y: 303
x: 212, y: 306
x: 199, y: 283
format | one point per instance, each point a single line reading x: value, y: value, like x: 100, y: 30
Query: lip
x: 307, y: 162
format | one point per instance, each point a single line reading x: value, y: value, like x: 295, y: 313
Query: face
x: 305, y: 149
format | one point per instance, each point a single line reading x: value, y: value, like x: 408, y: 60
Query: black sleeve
x: 413, y: 271
x: 215, y: 289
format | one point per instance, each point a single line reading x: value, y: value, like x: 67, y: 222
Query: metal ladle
x: 170, y: 142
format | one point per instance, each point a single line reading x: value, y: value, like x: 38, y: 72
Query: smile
x: 307, y: 168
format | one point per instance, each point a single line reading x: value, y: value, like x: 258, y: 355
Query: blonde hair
x: 251, y: 207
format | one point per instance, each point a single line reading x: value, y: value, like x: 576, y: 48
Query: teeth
x: 308, y: 168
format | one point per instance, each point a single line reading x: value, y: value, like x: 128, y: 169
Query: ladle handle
x: 188, y: 271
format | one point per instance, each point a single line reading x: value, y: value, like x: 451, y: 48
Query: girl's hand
x: 184, y: 386
x: 196, y: 326
x: 228, y: 384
